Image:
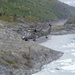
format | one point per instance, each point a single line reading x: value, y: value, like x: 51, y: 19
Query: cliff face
x: 18, y: 57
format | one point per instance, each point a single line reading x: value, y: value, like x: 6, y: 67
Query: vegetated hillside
x: 35, y: 10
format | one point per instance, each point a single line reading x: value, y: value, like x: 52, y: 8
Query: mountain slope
x: 35, y: 10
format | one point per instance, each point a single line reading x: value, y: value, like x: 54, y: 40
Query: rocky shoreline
x: 18, y: 57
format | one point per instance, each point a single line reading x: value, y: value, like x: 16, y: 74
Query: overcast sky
x: 70, y: 2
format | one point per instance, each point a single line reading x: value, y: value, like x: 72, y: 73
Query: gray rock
x: 18, y: 57
x: 3, y: 71
x: 20, y: 20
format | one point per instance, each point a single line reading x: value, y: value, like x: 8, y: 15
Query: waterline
x: 66, y: 64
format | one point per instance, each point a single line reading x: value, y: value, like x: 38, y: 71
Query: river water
x: 66, y: 64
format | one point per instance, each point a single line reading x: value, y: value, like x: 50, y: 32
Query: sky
x: 69, y: 2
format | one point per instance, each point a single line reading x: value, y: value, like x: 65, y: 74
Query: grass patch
x: 26, y: 56
x: 10, y: 61
x: 28, y: 65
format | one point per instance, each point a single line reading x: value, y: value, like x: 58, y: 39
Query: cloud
x: 69, y: 2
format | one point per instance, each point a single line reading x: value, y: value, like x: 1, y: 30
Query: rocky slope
x: 18, y: 57
x: 60, y: 27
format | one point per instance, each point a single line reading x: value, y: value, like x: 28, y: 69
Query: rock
x: 3, y: 71
x: 57, y: 68
x: 1, y: 23
x: 18, y: 57
x: 20, y: 20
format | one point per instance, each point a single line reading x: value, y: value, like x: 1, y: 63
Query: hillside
x: 35, y: 10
